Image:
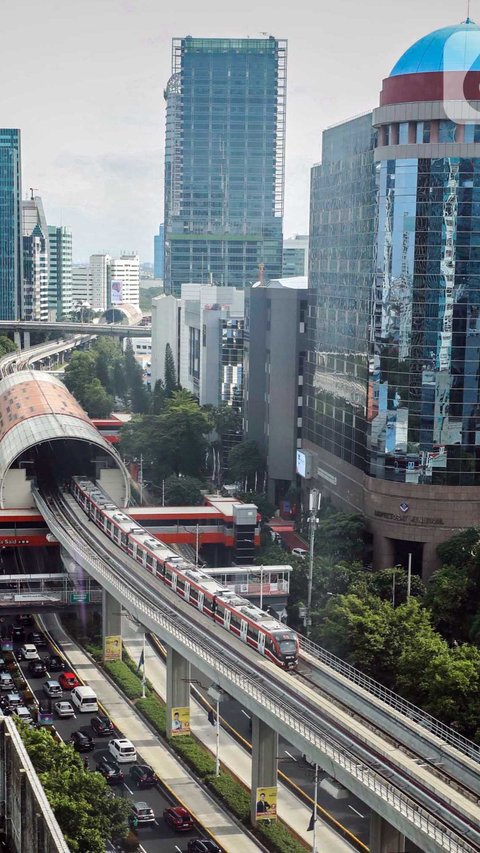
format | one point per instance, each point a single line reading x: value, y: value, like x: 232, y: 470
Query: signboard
x: 304, y: 464
x: 116, y: 291
x: 79, y: 598
x: 6, y: 644
x: 112, y: 649
x: 180, y: 721
x: 45, y: 718
x: 266, y: 803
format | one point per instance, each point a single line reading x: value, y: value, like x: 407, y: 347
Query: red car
x: 178, y: 819
x: 68, y: 680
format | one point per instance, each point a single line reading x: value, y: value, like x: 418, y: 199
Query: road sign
x: 79, y: 598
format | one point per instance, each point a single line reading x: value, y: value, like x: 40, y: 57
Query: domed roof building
x: 392, y: 413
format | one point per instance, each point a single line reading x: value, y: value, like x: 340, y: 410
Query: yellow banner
x: 267, y: 803
x: 180, y: 721
x: 112, y: 649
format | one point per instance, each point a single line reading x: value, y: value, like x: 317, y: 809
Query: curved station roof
x: 36, y: 407
x: 128, y: 315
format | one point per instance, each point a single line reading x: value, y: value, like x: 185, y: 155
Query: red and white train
x: 235, y: 614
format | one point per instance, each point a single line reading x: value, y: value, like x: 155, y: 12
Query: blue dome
x: 432, y: 53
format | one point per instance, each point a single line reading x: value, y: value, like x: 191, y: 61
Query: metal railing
x: 169, y: 622
x: 393, y: 700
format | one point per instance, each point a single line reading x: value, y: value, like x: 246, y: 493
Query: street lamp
x: 314, y: 506
x: 398, y: 566
x: 217, y: 694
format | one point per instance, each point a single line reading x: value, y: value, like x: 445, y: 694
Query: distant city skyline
x: 93, y: 143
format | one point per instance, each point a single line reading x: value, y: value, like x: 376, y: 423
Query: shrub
x: 196, y: 756
x: 154, y: 711
x: 126, y: 680
x: 280, y: 839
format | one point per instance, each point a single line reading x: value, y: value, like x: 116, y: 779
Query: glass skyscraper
x: 11, y: 248
x: 224, y: 161
x: 393, y: 376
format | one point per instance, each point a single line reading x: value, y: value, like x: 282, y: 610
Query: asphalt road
x: 154, y: 838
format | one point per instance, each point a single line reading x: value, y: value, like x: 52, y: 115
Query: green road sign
x: 79, y: 598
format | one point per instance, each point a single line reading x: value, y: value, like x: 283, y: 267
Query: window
x: 403, y: 133
x: 446, y: 131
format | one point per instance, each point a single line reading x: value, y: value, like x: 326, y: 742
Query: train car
x: 237, y: 615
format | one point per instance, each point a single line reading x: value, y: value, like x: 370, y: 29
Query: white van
x: 84, y: 699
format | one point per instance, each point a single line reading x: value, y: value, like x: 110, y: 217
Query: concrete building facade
x: 275, y: 351
x: 124, y: 280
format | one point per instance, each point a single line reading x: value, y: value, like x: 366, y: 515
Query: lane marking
x: 247, y: 715
x: 128, y: 789
x: 289, y: 754
x: 357, y: 812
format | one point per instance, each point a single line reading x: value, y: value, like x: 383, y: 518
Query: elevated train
x: 235, y: 614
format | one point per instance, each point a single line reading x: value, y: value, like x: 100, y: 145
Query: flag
x: 140, y: 662
x: 312, y: 823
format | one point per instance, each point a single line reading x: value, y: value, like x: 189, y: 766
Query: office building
x: 35, y: 260
x: 99, y: 275
x: 295, y: 256
x: 275, y: 345
x: 60, y: 272
x: 81, y: 286
x: 224, y: 161
x: 124, y: 280
x: 159, y: 253
x: 11, y: 247
x: 392, y: 414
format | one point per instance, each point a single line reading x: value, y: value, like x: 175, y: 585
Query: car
x: 299, y: 552
x: 143, y: 776
x: 102, y: 726
x: 64, y: 709
x: 25, y: 619
x: 68, y: 680
x: 122, y: 750
x: 23, y: 714
x: 28, y: 652
x: 110, y: 769
x: 82, y: 741
x: 36, y: 668
x: 141, y: 814
x: 52, y: 688
x: 3, y: 664
x: 178, y: 818
x: 37, y: 638
x: 16, y: 633
x: 202, y: 845
x: 54, y: 663
x: 6, y: 681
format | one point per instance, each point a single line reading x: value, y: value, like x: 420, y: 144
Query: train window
x: 243, y: 630
x: 187, y: 591
x: 123, y: 539
x: 226, y: 619
x: 201, y: 597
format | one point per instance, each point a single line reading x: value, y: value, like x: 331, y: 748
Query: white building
x: 60, y: 272
x: 295, y: 256
x: 124, y: 280
x: 81, y: 286
x: 99, y: 274
x: 35, y: 260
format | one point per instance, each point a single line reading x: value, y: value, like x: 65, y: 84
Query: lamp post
x: 409, y: 577
x: 314, y: 505
x: 197, y: 536
x: 398, y: 566
x: 315, y: 800
x: 144, y: 680
x: 217, y: 694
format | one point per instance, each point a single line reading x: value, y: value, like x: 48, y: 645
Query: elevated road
x: 410, y: 795
x: 75, y: 328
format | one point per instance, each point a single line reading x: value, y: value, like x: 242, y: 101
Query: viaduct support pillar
x: 111, y: 627
x: 178, y: 693
x: 264, y: 762
x: 17, y: 339
x: 384, y: 838
x: 26, y: 340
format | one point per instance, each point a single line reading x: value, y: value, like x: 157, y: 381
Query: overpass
x: 26, y: 327
x: 420, y: 778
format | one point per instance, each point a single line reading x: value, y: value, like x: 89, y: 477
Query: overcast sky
x: 84, y: 81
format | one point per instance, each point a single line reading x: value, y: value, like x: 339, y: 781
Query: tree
x: 6, y: 345
x: 245, y: 460
x: 80, y: 372
x: 97, y: 401
x: 108, y: 354
x: 171, y: 384
x: 183, y: 491
x: 339, y: 535
x: 87, y: 814
x: 158, y: 397
x: 353, y: 629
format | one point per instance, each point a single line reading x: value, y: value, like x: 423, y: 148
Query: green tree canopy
x: 97, y: 401
x: 183, y: 491
x: 80, y: 372
x: 6, y: 345
x: 170, y: 375
x: 244, y: 461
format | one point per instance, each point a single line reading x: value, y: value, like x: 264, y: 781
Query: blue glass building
x: 224, y: 161
x: 393, y: 376
x: 11, y: 248
x: 159, y: 253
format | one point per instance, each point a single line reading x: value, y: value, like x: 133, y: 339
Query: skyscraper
x: 11, y: 248
x: 392, y: 415
x: 295, y: 256
x: 99, y: 272
x: 224, y: 161
x: 124, y: 280
x: 35, y: 260
x: 159, y: 253
x: 60, y: 274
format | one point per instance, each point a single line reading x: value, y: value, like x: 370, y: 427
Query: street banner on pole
x: 267, y: 803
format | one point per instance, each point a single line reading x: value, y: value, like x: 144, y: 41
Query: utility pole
x: 409, y: 577
x: 197, y: 537
x: 314, y: 505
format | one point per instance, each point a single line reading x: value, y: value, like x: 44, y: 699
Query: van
x: 84, y: 699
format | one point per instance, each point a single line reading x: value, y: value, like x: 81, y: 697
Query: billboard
x: 112, y: 649
x: 180, y: 721
x: 266, y: 803
x: 304, y: 464
x: 116, y: 291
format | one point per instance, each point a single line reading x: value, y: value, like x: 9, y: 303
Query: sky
x: 84, y: 82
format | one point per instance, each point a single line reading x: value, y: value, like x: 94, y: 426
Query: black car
x: 37, y: 638
x: 202, y: 845
x: 81, y: 741
x: 54, y: 663
x: 143, y: 775
x: 16, y: 632
x: 102, y: 726
x: 37, y: 668
x: 110, y: 770
x: 25, y: 619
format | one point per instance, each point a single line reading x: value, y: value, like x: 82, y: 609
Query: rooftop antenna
x: 468, y: 12
x: 32, y: 191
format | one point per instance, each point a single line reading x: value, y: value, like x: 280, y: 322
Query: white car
x: 122, y: 750
x: 300, y: 552
x: 28, y: 652
x: 23, y: 714
x: 64, y: 709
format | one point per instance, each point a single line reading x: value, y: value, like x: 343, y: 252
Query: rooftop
x: 455, y: 48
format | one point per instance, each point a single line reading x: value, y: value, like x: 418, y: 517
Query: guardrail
x: 393, y: 700
x: 164, y: 619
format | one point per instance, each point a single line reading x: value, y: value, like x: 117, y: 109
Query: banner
x: 112, y: 648
x: 116, y: 291
x: 267, y: 803
x: 180, y: 721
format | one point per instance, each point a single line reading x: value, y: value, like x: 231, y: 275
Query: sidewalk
x: 292, y: 811
x: 186, y: 789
